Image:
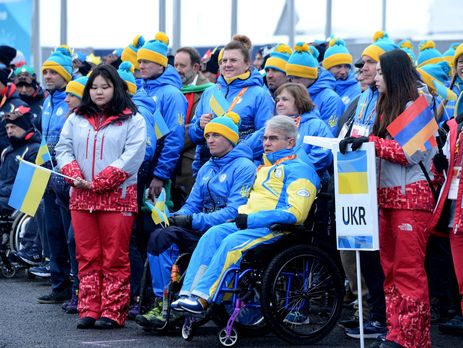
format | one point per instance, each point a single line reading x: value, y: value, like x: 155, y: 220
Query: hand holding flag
x: 159, y: 211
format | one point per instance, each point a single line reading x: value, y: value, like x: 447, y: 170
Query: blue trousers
x: 207, y: 268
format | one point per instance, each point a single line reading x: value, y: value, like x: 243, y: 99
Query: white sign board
x: 356, y: 199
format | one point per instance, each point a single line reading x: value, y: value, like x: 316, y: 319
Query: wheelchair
x: 12, y: 228
x: 290, y: 287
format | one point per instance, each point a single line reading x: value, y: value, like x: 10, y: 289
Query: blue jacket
x: 255, y: 108
x: 146, y: 107
x: 450, y: 107
x: 165, y: 91
x: 310, y: 124
x: 365, y: 113
x: 54, y: 114
x: 283, y: 192
x: 326, y: 100
x: 348, y: 89
x: 222, y: 185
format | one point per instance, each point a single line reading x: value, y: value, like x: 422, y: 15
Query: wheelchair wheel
x: 302, y: 293
x: 250, y: 321
x: 8, y: 271
x: 227, y: 341
x: 188, y: 329
x: 17, y: 230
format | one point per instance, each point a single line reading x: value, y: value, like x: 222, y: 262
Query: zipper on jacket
x: 94, y: 154
x: 86, y: 147
x: 102, y: 144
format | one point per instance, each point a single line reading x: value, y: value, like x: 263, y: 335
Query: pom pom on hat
x: 337, y: 54
x: 129, y: 53
x: 155, y: 50
x: 126, y: 71
x: 428, y: 54
x: 302, y: 63
x: 278, y: 58
x: 407, y: 47
x: 381, y: 44
x: 61, y: 62
x: 76, y: 87
x: 226, y: 125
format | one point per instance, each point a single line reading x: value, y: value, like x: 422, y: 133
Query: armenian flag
x: 414, y: 129
x: 29, y: 187
x: 218, y: 103
x: 43, y: 155
x: 352, y: 172
x: 160, y: 126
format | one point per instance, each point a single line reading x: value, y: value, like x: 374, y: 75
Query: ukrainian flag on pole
x: 352, y: 172
x: 159, y: 211
x: 29, y: 187
x: 43, y: 155
x: 218, y: 103
x: 160, y: 126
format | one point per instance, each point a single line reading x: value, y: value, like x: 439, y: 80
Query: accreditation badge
x: 453, y: 192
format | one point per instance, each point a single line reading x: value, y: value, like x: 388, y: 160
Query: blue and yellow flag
x: 352, y: 172
x: 218, y: 103
x: 160, y: 126
x: 43, y: 156
x: 29, y: 187
x: 159, y: 210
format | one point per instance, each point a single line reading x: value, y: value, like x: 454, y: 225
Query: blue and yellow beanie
x: 428, y: 54
x: 61, y: 62
x: 381, y: 44
x: 129, y: 53
x: 458, y: 53
x: 407, y: 47
x: 337, y: 54
x: 76, y: 87
x: 126, y: 71
x: 302, y: 63
x: 155, y: 50
x: 278, y: 58
x: 226, y: 125
x: 435, y: 76
x: 448, y: 55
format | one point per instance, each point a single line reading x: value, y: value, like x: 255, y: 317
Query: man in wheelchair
x: 222, y: 185
x: 283, y: 193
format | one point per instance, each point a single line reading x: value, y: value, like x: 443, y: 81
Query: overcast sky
x: 107, y: 24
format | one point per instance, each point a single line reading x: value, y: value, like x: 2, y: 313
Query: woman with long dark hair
x: 405, y: 203
x: 102, y: 146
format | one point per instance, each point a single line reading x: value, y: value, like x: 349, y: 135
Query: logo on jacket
x: 245, y: 191
x: 222, y: 177
x: 333, y: 121
x: 405, y: 227
x: 60, y: 111
x: 180, y: 119
x: 278, y: 173
x: 303, y: 193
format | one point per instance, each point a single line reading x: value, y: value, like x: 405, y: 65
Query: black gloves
x: 440, y: 162
x: 241, y: 221
x: 184, y: 221
x: 356, y: 143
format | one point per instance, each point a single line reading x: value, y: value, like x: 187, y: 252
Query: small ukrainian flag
x: 160, y: 126
x: 352, y: 172
x: 159, y: 211
x: 43, y: 155
x: 218, y: 103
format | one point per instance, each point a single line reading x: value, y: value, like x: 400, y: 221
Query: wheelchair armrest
x: 288, y: 228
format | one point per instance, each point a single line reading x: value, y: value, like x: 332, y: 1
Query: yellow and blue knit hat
x: 448, y: 55
x: 226, y: 125
x: 428, y: 54
x: 155, y: 50
x: 302, y: 63
x: 126, y: 71
x: 435, y: 76
x: 458, y: 53
x: 337, y: 54
x: 76, y: 87
x: 407, y: 47
x: 278, y: 58
x: 381, y: 44
x: 61, y: 62
x: 129, y: 53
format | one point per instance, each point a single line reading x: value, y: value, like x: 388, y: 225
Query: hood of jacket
x: 325, y: 80
x: 169, y: 77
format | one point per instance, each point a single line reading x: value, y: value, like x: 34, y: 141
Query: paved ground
x: 25, y: 323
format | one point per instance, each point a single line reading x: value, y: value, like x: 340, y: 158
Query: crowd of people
x: 222, y: 137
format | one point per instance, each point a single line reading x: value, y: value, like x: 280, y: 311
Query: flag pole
x: 19, y: 158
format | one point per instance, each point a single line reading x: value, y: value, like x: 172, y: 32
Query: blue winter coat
x: 449, y: 112
x: 146, y: 107
x: 365, y: 113
x: 165, y: 91
x: 326, y: 100
x: 348, y: 89
x: 222, y: 185
x: 255, y: 108
x: 310, y: 124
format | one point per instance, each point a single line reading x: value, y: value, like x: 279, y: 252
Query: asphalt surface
x: 26, y: 323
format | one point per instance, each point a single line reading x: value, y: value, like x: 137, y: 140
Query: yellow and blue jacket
x: 283, y: 192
